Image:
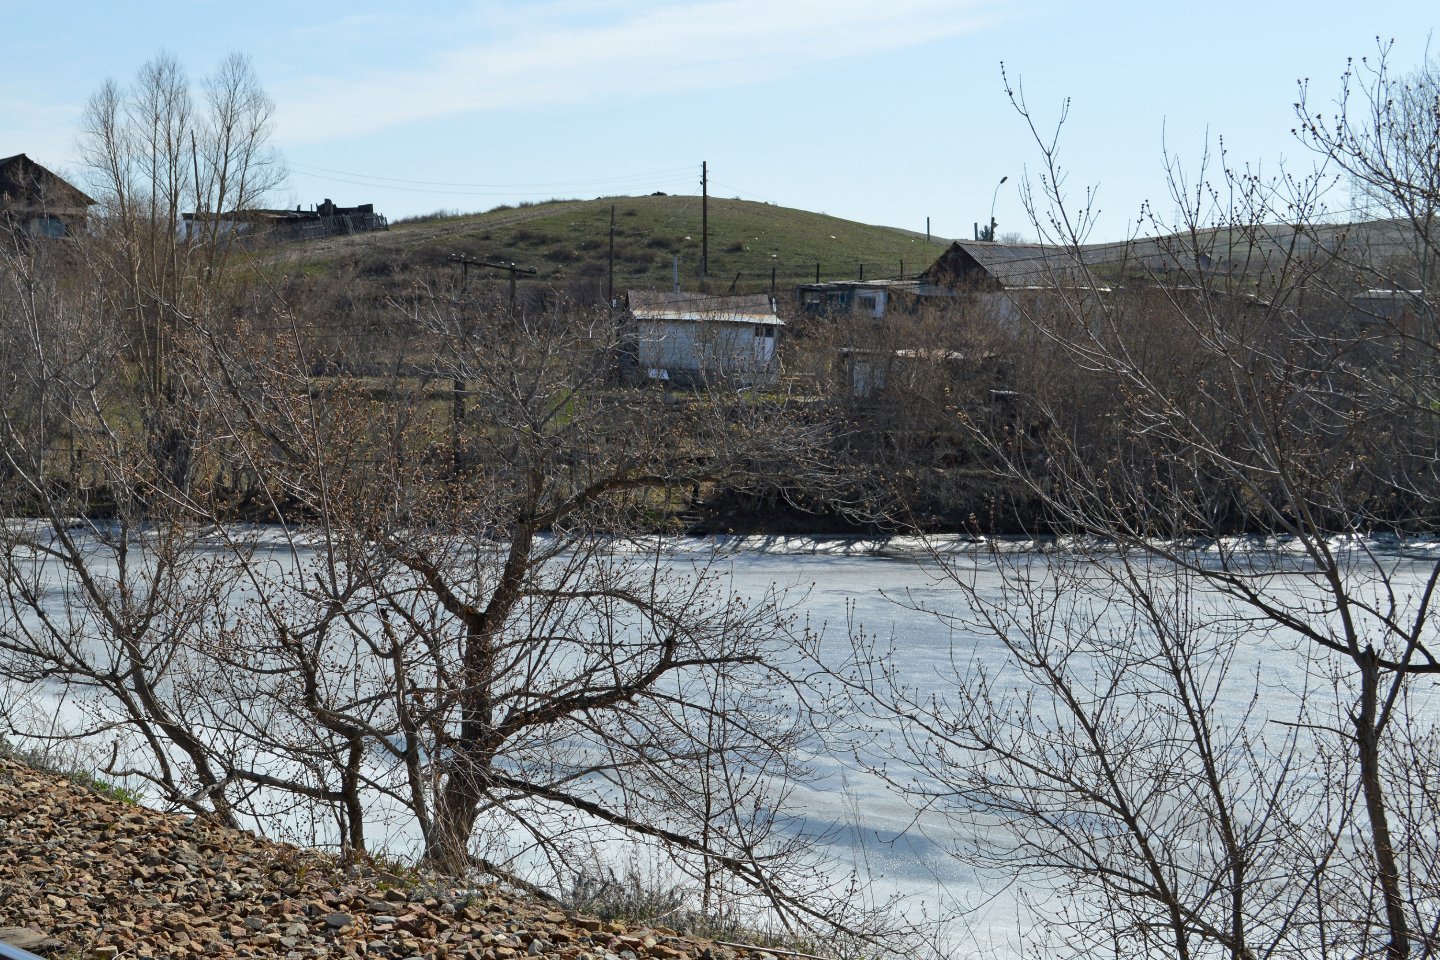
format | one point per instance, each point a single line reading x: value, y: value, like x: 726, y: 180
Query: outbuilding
x: 704, y: 340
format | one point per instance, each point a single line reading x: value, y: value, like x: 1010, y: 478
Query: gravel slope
x: 100, y: 878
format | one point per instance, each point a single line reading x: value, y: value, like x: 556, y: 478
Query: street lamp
x: 993, y: 197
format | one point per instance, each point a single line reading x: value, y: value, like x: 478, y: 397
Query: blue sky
x: 883, y: 111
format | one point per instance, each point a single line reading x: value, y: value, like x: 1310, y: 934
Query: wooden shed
x: 37, y: 202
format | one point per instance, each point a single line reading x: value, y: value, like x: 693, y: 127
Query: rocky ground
x: 85, y: 876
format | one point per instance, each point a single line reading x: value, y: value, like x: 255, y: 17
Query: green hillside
x: 567, y: 242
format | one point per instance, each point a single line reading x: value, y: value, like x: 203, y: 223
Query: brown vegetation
x: 1210, y: 745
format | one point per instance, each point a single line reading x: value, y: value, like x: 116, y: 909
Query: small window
x: 766, y: 330
x: 47, y: 227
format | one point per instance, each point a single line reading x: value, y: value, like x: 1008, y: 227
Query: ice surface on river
x: 886, y: 589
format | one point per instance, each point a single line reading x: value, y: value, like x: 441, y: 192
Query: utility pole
x: 704, y: 218
x: 513, y: 270
x: 610, y: 276
x: 458, y: 385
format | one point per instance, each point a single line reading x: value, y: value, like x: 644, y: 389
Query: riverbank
x: 89, y: 876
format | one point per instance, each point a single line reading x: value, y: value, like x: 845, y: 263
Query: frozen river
x: 933, y: 616
x: 916, y: 608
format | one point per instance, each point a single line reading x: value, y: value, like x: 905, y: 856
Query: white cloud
x: 577, y: 51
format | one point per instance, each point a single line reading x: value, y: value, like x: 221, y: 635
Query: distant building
x: 1407, y: 310
x: 872, y: 298
x: 699, y: 339
x: 871, y: 371
x: 980, y: 265
x: 36, y: 202
x: 974, y: 269
x: 280, y: 226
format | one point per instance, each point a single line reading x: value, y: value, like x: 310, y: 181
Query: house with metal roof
x: 37, y: 202
x: 982, y: 265
x: 703, y: 340
x: 969, y: 268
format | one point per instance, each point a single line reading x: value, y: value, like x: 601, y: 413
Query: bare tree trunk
x: 1387, y: 869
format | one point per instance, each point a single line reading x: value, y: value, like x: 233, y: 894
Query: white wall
x: 706, y: 352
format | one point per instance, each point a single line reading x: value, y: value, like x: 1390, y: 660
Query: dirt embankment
x: 85, y: 876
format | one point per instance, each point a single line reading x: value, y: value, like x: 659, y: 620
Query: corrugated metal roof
x: 905, y: 285
x: 703, y: 307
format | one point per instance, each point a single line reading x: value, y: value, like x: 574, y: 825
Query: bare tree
x: 1225, y: 389
x: 536, y: 668
x: 1383, y: 133
x: 905, y: 385
x: 100, y: 589
x: 1106, y: 711
x: 464, y: 623
x: 170, y: 176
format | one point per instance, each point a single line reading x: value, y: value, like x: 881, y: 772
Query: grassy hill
x: 567, y: 242
x: 1254, y: 257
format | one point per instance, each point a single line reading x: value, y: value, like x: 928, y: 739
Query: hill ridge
x: 752, y: 244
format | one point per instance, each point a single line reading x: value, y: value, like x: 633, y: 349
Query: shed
x: 701, y: 339
x: 1408, y: 310
x: 38, y: 202
x: 870, y: 371
x: 874, y: 298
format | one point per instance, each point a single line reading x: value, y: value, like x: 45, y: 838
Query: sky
x: 882, y: 111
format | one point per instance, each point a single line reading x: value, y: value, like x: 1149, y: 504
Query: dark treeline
x: 949, y: 414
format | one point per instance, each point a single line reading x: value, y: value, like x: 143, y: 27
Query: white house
x: 701, y: 339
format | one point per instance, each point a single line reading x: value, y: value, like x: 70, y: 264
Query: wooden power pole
x: 610, y: 274
x: 704, y: 217
x: 458, y: 387
x: 513, y: 270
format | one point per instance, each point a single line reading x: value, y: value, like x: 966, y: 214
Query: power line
x: 469, y: 193
x: 673, y: 174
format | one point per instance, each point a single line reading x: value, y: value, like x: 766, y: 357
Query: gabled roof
x: 25, y: 182
x: 1009, y: 265
x: 703, y: 307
